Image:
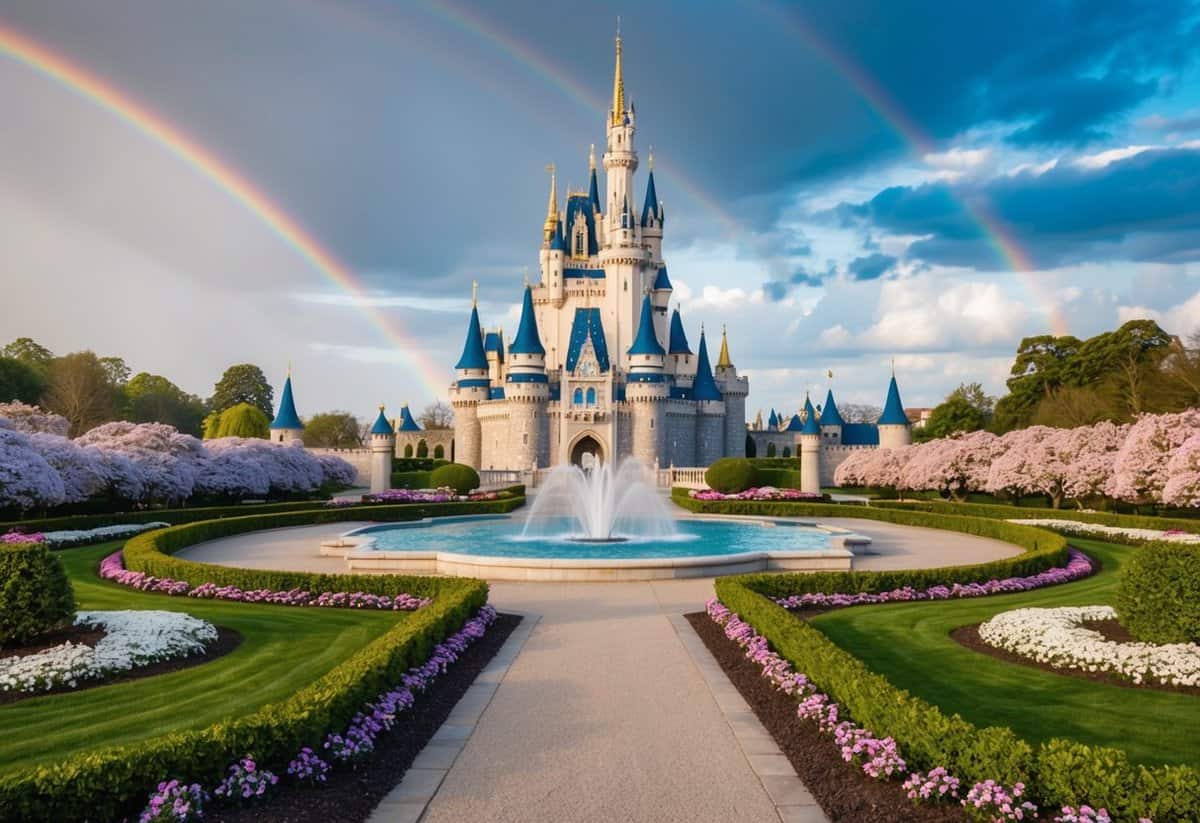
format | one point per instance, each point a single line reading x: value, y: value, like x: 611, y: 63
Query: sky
x: 847, y: 184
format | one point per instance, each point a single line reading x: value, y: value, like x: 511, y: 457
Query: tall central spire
x: 618, y: 104
x: 551, y: 207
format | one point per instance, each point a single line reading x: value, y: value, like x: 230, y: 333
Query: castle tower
x: 407, y: 423
x: 734, y: 389
x: 894, y: 429
x: 594, y: 196
x: 661, y: 298
x: 469, y: 390
x: 652, y: 217
x: 831, y: 422
x: 493, y: 348
x: 681, y: 363
x: 526, y: 392
x: 286, y: 426
x: 620, y: 159
x: 810, y: 451
x: 383, y: 447
x: 647, y: 388
x: 773, y: 421
x: 710, y: 410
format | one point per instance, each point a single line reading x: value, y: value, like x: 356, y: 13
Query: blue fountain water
x: 504, y: 537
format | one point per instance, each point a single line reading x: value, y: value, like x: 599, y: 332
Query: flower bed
x: 113, y: 568
x: 1077, y: 566
x: 131, y: 639
x: 1057, y: 637
x: 247, y: 781
x: 1118, y: 533
x: 440, y: 495
x: 760, y: 493
x: 69, y: 538
x: 880, y: 758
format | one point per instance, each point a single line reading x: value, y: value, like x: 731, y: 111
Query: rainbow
x: 998, y: 234
x: 434, y: 378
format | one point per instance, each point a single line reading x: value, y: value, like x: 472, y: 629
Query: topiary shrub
x: 456, y: 476
x: 731, y: 475
x: 35, y: 594
x: 1158, y: 598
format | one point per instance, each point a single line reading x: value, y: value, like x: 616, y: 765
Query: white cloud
x: 1109, y: 156
x: 1182, y: 319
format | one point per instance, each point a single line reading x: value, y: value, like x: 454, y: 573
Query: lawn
x: 910, y: 644
x: 283, y: 649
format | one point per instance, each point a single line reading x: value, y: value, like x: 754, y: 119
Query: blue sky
x: 823, y: 166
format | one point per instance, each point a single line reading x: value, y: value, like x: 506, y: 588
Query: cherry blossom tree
x: 81, y: 468
x: 26, y: 480
x: 1182, y: 488
x: 1023, y: 463
x: 32, y: 420
x: 1140, y: 465
x: 167, y: 460
x: 1087, y: 454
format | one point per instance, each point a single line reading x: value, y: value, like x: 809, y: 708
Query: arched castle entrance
x: 586, y: 444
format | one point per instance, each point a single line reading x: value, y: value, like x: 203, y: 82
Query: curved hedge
x: 172, y: 516
x: 1043, y: 549
x: 35, y: 594
x: 151, y: 552
x: 1057, y: 772
x: 731, y: 475
x: 460, y: 477
x: 1001, y: 512
x: 1158, y: 598
x: 108, y: 783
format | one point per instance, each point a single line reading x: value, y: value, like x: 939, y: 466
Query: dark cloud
x: 871, y: 267
x: 1142, y: 208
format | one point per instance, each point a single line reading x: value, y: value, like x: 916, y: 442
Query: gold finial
x: 829, y: 374
x: 474, y: 293
x: 592, y: 158
x: 381, y: 407
x: 552, y: 206
x: 723, y: 361
x: 618, y: 103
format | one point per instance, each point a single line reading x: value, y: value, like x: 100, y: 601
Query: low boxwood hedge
x: 109, y: 783
x: 779, y: 478
x: 1001, y: 512
x: 1044, y: 549
x: 411, y: 480
x: 35, y: 593
x: 1058, y: 772
x: 172, y: 516
x: 1158, y: 598
x: 731, y: 475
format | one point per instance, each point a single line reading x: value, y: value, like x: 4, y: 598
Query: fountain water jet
x: 600, y: 505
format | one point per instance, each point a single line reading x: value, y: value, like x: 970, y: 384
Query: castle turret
x: 734, y: 389
x: 652, y: 217
x: 831, y: 421
x: 493, y: 347
x: 407, y: 423
x: 469, y: 390
x: 594, y: 196
x: 660, y: 296
x: 681, y: 363
x: 527, y: 391
x: 383, y: 448
x: 286, y: 426
x: 810, y: 451
x: 710, y: 409
x: 773, y: 421
x: 647, y: 389
x: 894, y: 429
x: 620, y: 159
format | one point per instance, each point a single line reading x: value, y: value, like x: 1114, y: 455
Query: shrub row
x: 1058, y: 772
x: 151, y: 552
x: 172, y: 516
x: 35, y: 593
x: 792, y: 463
x: 416, y: 464
x: 779, y: 478
x: 1002, y: 512
x: 1158, y: 598
x: 1043, y: 549
x: 416, y: 479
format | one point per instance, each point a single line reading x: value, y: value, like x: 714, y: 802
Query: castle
x: 587, y: 375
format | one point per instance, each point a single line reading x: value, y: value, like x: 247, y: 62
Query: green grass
x: 283, y: 649
x: 910, y: 644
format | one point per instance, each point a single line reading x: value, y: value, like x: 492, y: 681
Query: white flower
x: 77, y: 537
x: 1057, y: 638
x: 1098, y: 530
x: 132, y: 639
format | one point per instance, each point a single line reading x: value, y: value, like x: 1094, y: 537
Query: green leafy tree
x: 966, y: 409
x: 332, y: 430
x: 79, y: 389
x: 30, y: 353
x: 1041, y: 365
x: 242, y: 420
x: 116, y: 369
x: 243, y: 383
x: 20, y: 381
x: 152, y: 398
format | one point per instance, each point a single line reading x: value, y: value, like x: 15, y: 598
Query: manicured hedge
x: 779, y: 478
x: 1044, y: 549
x: 411, y: 480
x: 457, y: 476
x: 731, y: 475
x: 151, y: 552
x: 1056, y: 773
x: 35, y: 594
x: 792, y: 463
x: 1158, y: 598
x: 172, y: 516
x: 1002, y: 512
x: 417, y: 464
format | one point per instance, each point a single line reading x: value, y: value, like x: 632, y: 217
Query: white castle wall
x: 360, y: 459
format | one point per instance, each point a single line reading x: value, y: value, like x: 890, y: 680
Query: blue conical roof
x: 407, y: 424
x: 795, y: 424
x: 661, y: 281
x: 287, y: 417
x: 893, y: 409
x: 646, y: 341
x: 382, y: 424
x: 678, y: 343
x: 473, y: 356
x: 557, y: 243
x: 829, y: 412
x: 594, y: 192
x: 773, y: 420
x: 810, y: 422
x: 527, y: 341
x: 650, y: 207
x: 704, y: 387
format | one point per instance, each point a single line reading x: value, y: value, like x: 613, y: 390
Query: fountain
x: 599, y: 505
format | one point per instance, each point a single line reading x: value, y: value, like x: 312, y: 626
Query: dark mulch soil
x: 227, y: 640
x: 82, y: 635
x: 352, y: 794
x: 1112, y: 630
x: 843, y: 791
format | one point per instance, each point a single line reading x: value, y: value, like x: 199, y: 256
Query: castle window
x: 652, y: 423
x: 578, y: 244
x: 787, y: 451
x: 591, y: 397
x: 577, y: 398
x: 525, y: 439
